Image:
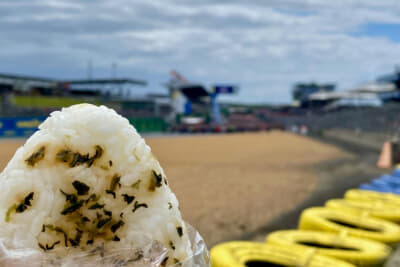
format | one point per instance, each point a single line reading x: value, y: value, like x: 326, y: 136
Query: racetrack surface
x: 230, y: 185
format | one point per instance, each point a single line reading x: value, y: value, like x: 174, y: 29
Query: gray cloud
x: 264, y: 46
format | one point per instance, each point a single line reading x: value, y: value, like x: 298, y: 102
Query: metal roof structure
x: 324, y: 96
x: 375, y: 87
x: 25, y: 78
x: 106, y: 81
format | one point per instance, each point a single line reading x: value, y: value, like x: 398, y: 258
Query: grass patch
x: 48, y: 101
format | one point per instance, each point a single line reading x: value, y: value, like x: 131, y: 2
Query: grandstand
x: 31, y: 99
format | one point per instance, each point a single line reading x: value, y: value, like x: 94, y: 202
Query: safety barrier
x: 359, y: 251
x: 249, y: 254
x: 385, y: 183
x: 144, y: 125
x: 26, y: 126
x: 358, y: 194
x: 352, y: 230
x: 347, y: 223
x: 378, y: 209
x: 19, y: 126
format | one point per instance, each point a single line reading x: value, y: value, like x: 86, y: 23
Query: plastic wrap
x: 152, y: 255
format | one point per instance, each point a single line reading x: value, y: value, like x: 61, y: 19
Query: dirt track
x: 229, y: 185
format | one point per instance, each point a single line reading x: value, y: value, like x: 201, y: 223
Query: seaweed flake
x: 116, y: 238
x: 114, y: 182
x: 171, y: 244
x: 103, y: 222
x: 169, y: 205
x: 89, y: 242
x: 180, y: 231
x: 136, y: 184
x: 80, y: 187
x: 128, y: 199
x: 43, y: 228
x: 28, y: 198
x: 75, y: 242
x: 105, y: 168
x: 108, y: 213
x: 116, y: 226
x: 8, y: 213
x: 53, y: 245
x: 155, y: 181
x: 92, y: 197
x: 78, y: 159
x: 61, y: 231
x: 75, y: 158
x: 96, y: 206
x: 110, y: 163
x: 50, y: 227
x: 42, y: 247
x: 121, y: 215
x: 111, y: 193
x: 21, y: 207
x: 139, y: 205
x: 64, y: 155
x: 72, y: 198
x: 164, y: 262
x: 71, y: 208
x: 98, y: 154
x: 36, y: 157
x: 47, y: 247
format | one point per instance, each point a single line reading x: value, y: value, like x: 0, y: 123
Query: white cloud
x: 265, y: 46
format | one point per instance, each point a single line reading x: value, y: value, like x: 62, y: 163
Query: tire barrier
x: 382, y: 189
x: 251, y: 254
x: 377, y: 209
x: 358, y: 251
x: 385, y: 183
x: 372, y: 196
x: 346, y: 223
x: 389, y: 180
x: 396, y: 171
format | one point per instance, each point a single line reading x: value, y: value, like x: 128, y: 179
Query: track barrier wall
x: 14, y: 127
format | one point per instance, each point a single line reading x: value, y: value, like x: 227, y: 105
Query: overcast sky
x: 262, y: 46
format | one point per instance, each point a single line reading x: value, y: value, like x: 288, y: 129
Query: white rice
x: 66, y: 134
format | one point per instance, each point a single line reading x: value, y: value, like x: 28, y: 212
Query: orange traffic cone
x: 385, y: 158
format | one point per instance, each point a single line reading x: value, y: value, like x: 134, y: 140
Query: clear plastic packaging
x: 151, y: 255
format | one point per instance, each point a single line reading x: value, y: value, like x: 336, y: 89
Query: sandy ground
x: 229, y: 185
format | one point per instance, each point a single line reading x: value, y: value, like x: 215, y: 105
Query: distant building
x: 124, y: 95
x: 302, y: 91
x: 116, y: 88
x: 393, y: 78
x: 28, y: 85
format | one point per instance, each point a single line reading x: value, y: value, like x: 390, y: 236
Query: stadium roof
x: 324, y: 96
x: 26, y: 78
x: 83, y: 81
x: 375, y: 87
x: 194, y: 91
x: 106, y: 81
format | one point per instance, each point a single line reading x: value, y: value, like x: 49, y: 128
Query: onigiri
x: 87, y: 182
